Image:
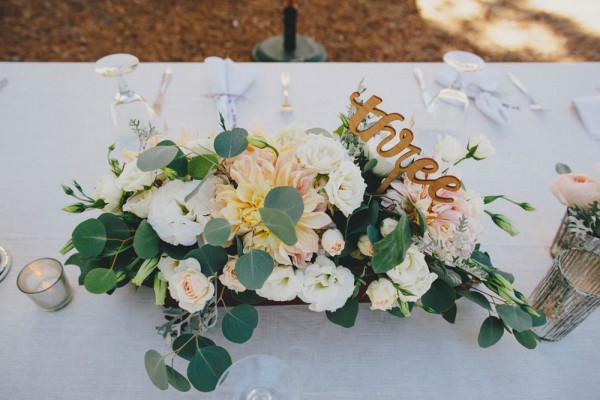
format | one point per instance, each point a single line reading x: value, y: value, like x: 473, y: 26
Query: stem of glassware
x: 457, y: 84
x: 123, y: 88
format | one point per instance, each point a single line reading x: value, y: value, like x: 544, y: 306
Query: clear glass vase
x: 565, y: 239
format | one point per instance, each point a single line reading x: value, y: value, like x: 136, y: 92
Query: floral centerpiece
x: 293, y: 216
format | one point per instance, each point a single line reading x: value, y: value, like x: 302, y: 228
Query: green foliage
x: 440, y: 297
x: 156, y: 369
x: 287, y: 199
x: 217, y: 231
x: 563, y: 168
x: 177, y: 380
x: 253, y: 268
x: 89, y: 237
x: 207, y: 366
x: 239, y: 323
x: 247, y: 297
x: 100, y: 280
x: 146, y: 241
x: 391, y: 250
x: 212, y: 259
x: 157, y: 157
x: 345, y: 316
x: 187, y: 345
x: 450, y: 314
x: 538, y: 320
x: 514, y: 317
x: 200, y: 166
x: 85, y: 265
x: 231, y: 143
x: 528, y: 339
x: 476, y: 298
x: 491, y: 332
x: 117, y: 231
x: 280, y: 224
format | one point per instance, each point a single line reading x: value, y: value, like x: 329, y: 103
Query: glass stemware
x: 450, y: 106
x: 127, y: 104
x: 258, y: 377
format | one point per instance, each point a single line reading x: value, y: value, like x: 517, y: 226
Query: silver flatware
x: 3, y: 83
x: 285, y: 82
x: 164, y: 84
x: 425, y: 96
x: 533, y: 104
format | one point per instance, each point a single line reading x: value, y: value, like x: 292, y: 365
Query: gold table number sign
x: 405, y: 137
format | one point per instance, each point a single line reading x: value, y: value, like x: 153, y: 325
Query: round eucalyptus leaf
x: 145, y: 241
x: 207, y: 366
x: 253, y: 268
x: 247, y: 297
x: 157, y: 157
x: 89, y: 237
x: 212, y: 259
x: 100, y: 280
x: 177, y: 380
x: 280, y: 224
x: 514, y: 317
x: 440, y: 297
x: 491, y: 332
x: 156, y: 369
x: 345, y: 316
x: 231, y: 143
x: 239, y: 323
x: 186, y: 345
x: 287, y: 199
x: 526, y: 338
x: 217, y: 231
x: 477, y: 298
x: 538, y: 321
x: 201, y: 165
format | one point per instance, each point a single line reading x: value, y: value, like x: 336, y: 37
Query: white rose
x: 333, y: 242
x: 383, y: 295
x: 412, y: 275
x: 322, y: 153
x: 448, y: 148
x: 171, y: 217
x: 365, y: 246
x: 484, y: 147
x: 387, y: 226
x: 475, y: 201
x: 229, y: 278
x: 140, y: 203
x: 326, y: 287
x: 191, y: 289
x: 346, y: 187
x: 284, y: 284
x: 133, y: 179
x: 108, y: 190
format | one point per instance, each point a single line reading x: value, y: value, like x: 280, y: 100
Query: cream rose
x: 133, y: 179
x: 140, y: 203
x: 484, y: 147
x: 108, y: 190
x: 229, y: 278
x: 346, y: 187
x: 387, y: 226
x: 284, y: 284
x: 191, y: 288
x: 448, y: 149
x: 365, y: 246
x: 383, y: 294
x: 576, y: 190
x: 333, y: 242
x: 326, y: 287
x: 412, y: 275
x: 321, y: 153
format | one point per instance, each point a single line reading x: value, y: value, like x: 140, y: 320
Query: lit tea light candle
x: 45, y: 283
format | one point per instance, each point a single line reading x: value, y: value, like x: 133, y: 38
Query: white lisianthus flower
x: 383, y: 294
x: 326, y: 287
x: 140, y: 203
x: 133, y: 179
x: 168, y: 266
x: 284, y: 284
x: 333, y: 242
x: 322, y: 153
x: 448, y: 148
x: 229, y: 278
x: 387, y: 226
x: 191, y: 288
x: 365, y: 246
x: 484, y: 147
x: 475, y: 202
x: 412, y: 275
x: 172, y: 218
x: 108, y: 190
x: 198, y: 204
x: 346, y: 187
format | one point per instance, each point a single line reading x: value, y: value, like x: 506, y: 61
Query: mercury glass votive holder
x: 44, y: 282
x: 566, y: 239
x: 568, y: 294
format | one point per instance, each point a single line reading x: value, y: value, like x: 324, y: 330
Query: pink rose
x: 576, y: 190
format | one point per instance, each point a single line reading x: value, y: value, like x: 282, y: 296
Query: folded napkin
x: 589, y: 113
x: 479, y: 86
x: 228, y: 82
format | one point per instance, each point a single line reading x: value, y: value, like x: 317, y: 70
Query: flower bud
x: 365, y: 246
x: 387, y: 226
x: 333, y: 242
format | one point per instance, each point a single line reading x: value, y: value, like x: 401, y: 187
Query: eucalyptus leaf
x: 187, y: 345
x: 391, y: 250
x: 476, y: 298
x: 177, y: 380
x: 231, y: 143
x: 117, y: 231
x: 373, y: 212
x: 156, y: 369
x: 253, y: 269
x: 217, y: 231
x: 157, y: 157
x: 85, y: 265
x: 448, y: 275
x: 100, y: 280
x: 146, y: 241
x: 176, y: 252
x: 200, y: 166
x: 372, y: 163
x: 239, y: 323
x: 514, y: 317
x: 563, y: 168
x: 373, y: 234
x: 280, y: 224
x: 526, y: 338
x: 89, y: 237
x: 450, y: 315
x: 207, y: 366
x: 538, y: 321
x: 440, y: 297
x: 212, y: 259
x: 247, y: 297
x: 345, y: 316
x: 287, y: 199
x: 491, y: 332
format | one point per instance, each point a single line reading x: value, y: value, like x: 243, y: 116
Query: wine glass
x: 258, y: 377
x: 127, y: 104
x: 450, y: 106
x: 5, y: 263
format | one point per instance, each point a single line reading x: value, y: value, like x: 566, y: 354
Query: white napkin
x: 589, y: 113
x: 228, y: 82
x: 479, y: 86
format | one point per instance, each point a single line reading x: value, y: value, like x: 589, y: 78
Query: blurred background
x: 350, y: 30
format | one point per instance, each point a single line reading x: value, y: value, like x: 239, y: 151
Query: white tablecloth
x: 54, y: 124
